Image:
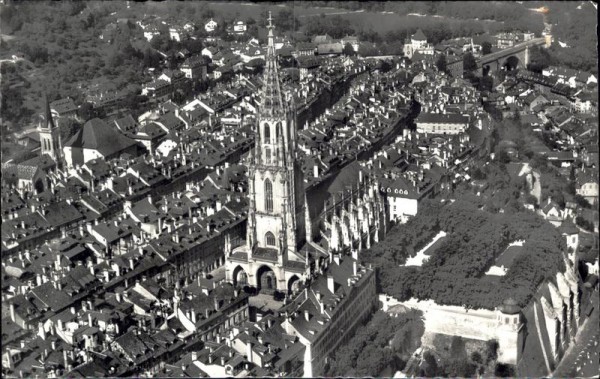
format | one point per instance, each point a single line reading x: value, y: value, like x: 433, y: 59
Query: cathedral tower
x: 50, y: 140
x: 271, y: 258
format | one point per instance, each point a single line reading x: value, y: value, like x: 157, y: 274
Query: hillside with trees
x: 65, y: 56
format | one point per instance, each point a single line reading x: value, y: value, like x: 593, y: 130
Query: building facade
x: 417, y: 44
x: 440, y: 123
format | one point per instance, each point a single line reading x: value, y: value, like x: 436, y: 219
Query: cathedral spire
x: 46, y: 120
x: 272, y: 100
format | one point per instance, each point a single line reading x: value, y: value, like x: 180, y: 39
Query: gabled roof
x: 567, y: 227
x: 125, y: 123
x: 63, y: 105
x: 419, y: 36
x: 98, y: 135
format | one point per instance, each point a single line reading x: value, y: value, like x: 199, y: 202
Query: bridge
x: 499, y: 59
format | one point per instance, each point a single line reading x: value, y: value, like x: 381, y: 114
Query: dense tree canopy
x: 454, y: 272
x: 382, y: 342
x: 486, y: 47
x: 469, y: 62
x: 441, y: 63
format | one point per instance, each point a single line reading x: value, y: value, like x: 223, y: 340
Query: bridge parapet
x: 514, y: 50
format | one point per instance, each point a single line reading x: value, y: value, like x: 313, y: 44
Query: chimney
x: 194, y: 355
x: 216, y: 303
x: 354, y: 268
x: 42, y: 331
x: 90, y: 320
x: 59, y: 324
x: 336, y: 258
x: 65, y: 358
x: 249, y: 351
x: 330, y: 283
x: 306, y: 315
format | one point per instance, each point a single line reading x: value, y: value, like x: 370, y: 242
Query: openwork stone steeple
x: 272, y: 101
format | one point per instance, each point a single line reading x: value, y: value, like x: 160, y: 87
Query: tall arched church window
x: 268, y: 196
x: 277, y: 130
x: 267, y: 133
x: 267, y: 155
x: 270, y: 239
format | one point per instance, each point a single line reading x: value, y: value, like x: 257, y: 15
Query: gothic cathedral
x: 273, y: 258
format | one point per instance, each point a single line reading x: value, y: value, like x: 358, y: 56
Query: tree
x: 486, y: 83
x: 486, y: 47
x: 150, y: 58
x: 582, y: 201
x: 539, y: 59
x: 441, y: 63
x: 86, y: 111
x: 286, y: 21
x: 504, y: 370
x: 68, y: 128
x: 469, y: 63
x: 476, y: 357
x: 348, y: 49
x: 367, y: 50
x: 492, y: 350
x: 457, y: 348
x: 430, y: 368
x: 583, y: 223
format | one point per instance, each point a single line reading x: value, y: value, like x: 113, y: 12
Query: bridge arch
x: 511, y: 63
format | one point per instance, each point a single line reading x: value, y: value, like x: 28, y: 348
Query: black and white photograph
x: 214, y: 189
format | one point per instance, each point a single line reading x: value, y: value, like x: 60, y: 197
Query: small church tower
x: 50, y: 140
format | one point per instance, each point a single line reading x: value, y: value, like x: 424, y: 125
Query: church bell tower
x: 51, y: 143
x: 272, y: 258
x: 276, y: 182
